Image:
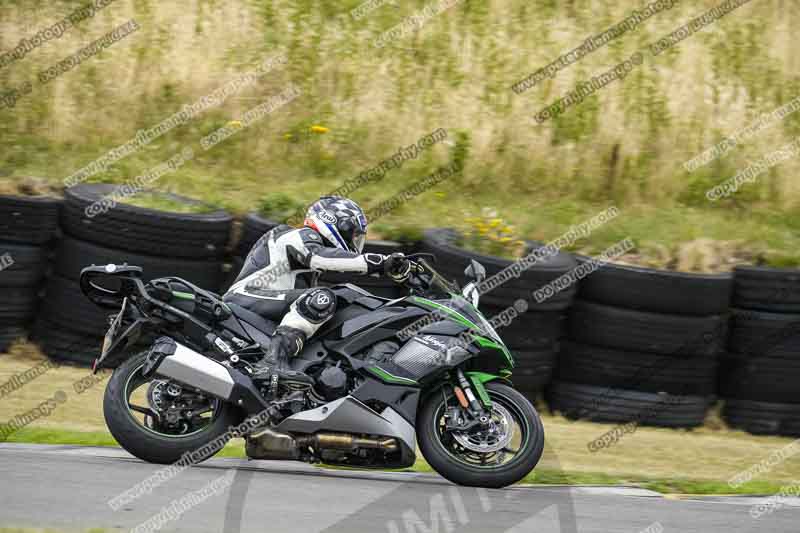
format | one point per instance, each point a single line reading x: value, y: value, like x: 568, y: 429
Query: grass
x: 699, y: 461
x: 623, y: 146
x: 167, y: 203
x: 48, y: 530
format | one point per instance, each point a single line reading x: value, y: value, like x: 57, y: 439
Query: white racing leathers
x: 280, y: 273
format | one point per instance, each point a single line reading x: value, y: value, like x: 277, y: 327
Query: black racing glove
x: 397, y: 267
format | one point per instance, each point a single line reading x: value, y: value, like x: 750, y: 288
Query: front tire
x: 150, y: 445
x: 441, y: 450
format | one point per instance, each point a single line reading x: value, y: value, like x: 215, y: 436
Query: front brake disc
x: 492, y: 439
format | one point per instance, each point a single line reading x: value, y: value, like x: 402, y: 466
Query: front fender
x: 485, y: 377
x: 478, y: 381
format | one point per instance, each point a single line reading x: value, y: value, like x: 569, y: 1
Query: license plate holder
x: 113, y: 330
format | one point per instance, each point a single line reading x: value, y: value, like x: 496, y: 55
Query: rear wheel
x: 159, y: 420
x: 495, y: 456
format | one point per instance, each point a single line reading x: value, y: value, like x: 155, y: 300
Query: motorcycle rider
x: 281, y: 271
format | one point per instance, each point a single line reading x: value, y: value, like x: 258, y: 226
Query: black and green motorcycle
x: 426, y: 371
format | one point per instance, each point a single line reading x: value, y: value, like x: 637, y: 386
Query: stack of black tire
x: 643, y: 347
x: 761, y: 369
x: 533, y: 338
x: 27, y: 225
x: 186, y: 245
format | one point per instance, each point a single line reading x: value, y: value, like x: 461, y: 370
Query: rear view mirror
x: 475, y: 271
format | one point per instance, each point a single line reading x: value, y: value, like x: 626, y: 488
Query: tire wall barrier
x: 625, y: 344
x: 28, y: 226
x: 643, y: 346
x: 761, y: 366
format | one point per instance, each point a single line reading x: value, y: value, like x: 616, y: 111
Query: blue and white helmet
x: 340, y: 221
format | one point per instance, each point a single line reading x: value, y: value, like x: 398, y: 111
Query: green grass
x: 94, y: 438
x: 279, y: 207
x: 62, y: 436
x: 540, y: 476
x: 167, y: 203
x: 50, y: 530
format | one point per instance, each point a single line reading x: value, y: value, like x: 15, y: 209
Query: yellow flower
x: 235, y: 124
x: 495, y: 222
x: 288, y: 136
x: 319, y: 129
x: 483, y: 231
x: 505, y: 239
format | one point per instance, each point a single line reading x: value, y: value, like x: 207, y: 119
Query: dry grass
x: 627, y: 142
x: 700, y: 454
x: 711, y: 453
x: 81, y: 412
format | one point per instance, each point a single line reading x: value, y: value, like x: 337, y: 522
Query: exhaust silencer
x: 196, y: 370
x: 176, y: 361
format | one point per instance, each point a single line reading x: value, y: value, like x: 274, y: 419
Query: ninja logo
x: 323, y: 299
x: 433, y: 342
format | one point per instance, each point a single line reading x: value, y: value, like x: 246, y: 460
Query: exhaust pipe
x: 273, y: 445
x: 343, y: 441
x: 176, y: 361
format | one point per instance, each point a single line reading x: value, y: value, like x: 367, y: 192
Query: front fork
x: 477, y: 407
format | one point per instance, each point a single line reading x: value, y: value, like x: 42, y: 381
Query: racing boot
x: 286, y: 343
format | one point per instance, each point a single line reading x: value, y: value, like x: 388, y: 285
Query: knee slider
x: 317, y: 305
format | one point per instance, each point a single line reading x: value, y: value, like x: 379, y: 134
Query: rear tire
x: 148, y: 445
x: 461, y: 473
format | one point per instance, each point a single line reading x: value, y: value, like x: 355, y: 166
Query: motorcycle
x: 358, y: 395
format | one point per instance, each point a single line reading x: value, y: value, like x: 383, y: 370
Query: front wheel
x: 495, y: 456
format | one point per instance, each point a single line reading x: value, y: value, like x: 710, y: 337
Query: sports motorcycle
x: 358, y: 394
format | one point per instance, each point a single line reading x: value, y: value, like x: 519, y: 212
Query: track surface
x: 68, y: 487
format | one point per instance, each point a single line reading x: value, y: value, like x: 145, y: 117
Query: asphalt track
x: 67, y: 488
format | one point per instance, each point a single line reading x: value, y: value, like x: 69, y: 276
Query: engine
x: 332, y: 383
x: 332, y: 380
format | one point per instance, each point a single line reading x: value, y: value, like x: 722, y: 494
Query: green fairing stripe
x: 458, y: 317
x: 386, y: 376
x: 184, y: 295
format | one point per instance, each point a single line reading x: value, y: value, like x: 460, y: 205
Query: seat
x: 264, y: 325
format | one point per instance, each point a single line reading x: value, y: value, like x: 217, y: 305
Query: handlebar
x: 424, y: 278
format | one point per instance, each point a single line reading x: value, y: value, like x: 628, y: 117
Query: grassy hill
x: 625, y: 145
